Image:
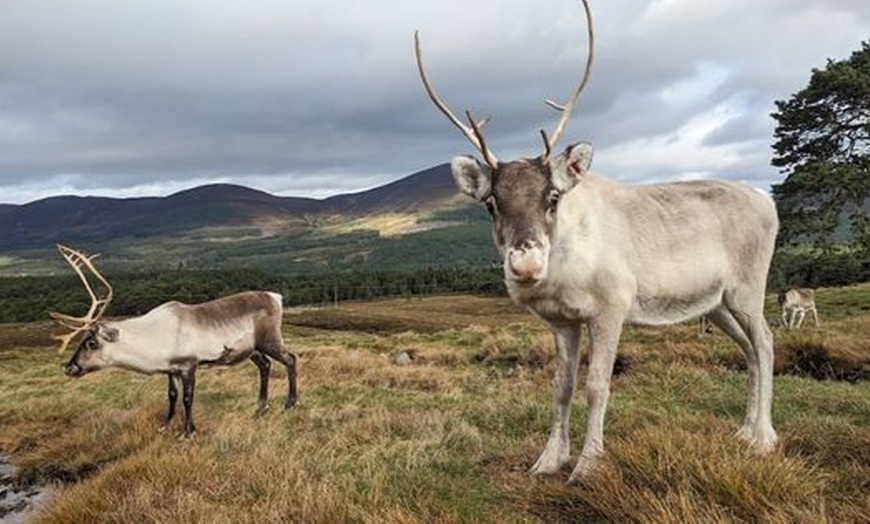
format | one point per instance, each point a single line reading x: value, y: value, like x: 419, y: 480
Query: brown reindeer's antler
x: 550, y: 143
x: 473, y: 133
x: 78, y: 260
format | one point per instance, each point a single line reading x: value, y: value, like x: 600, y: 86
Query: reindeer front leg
x: 174, y: 381
x: 188, y: 382
x: 603, y: 340
x: 263, y: 365
x: 802, y: 313
x: 558, y: 451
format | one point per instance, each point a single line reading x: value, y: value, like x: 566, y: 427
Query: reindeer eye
x: 553, y: 200
x: 91, y: 344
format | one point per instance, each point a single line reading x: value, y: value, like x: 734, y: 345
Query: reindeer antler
x: 473, y: 133
x: 550, y: 143
x: 78, y: 260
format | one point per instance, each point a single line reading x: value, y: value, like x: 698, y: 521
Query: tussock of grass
x: 517, y: 346
x: 444, y: 438
x: 824, y: 355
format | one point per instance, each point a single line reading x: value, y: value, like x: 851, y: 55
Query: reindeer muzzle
x: 73, y: 370
x: 526, y: 265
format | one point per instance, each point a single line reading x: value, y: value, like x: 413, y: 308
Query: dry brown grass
x: 449, y: 437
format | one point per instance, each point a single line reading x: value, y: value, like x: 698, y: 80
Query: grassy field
x: 451, y: 436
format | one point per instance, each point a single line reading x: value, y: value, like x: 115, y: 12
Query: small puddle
x: 18, y: 504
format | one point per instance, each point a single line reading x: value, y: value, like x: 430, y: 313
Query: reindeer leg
x: 604, y: 335
x: 280, y: 353
x: 802, y: 312
x: 723, y: 318
x: 174, y: 381
x: 188, y: 382
x: 263, y: 364
x: 558, y: 450
x: 746, y: 305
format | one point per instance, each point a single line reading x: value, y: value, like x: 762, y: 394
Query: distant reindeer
x: 796, y: 302
x: 177, y: 339
x: 581, y: 249
x: 705, y: 327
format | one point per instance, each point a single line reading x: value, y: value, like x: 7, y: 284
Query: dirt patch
x: 30, y: 335
x: 816, y: 360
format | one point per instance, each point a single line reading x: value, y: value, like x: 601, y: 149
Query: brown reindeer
x: 177, y: 339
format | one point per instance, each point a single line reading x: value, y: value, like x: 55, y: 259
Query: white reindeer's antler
x: 566, y: 109
x: 473, y: 132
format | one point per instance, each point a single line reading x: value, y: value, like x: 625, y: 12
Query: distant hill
x: 415, y: 222
x: 422, y: 191
x: 75, y: 219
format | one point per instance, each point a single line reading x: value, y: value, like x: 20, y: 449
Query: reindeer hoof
x: 290, y: 405
x: 585, y: 466
x: 260, y: 410
x: 187, y: 436
x: 548, y: 463
x: 745, y: 433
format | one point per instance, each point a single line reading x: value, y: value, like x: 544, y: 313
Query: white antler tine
x: 568, y: 108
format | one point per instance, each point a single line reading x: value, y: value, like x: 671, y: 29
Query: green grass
x: 450, y: 437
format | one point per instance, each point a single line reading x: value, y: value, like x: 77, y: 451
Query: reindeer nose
x: 72, y: 370
x: 526, y: 264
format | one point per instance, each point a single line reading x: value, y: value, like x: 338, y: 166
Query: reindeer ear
x: 569, y: 168
x: 472, y: 178
x: 109, y: 334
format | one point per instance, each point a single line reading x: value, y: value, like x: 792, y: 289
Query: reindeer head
x: 88, y: 355
x: 522, y: 196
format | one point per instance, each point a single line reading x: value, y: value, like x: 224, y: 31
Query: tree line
x: 25, y: 299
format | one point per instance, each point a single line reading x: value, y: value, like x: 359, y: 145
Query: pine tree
x: 823, y: 144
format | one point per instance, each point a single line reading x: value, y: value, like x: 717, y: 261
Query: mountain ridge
x: 77, y: 219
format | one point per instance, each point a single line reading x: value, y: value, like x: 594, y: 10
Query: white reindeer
x: 796, y: 303
x: 176, y: 339
x: 580, y: 249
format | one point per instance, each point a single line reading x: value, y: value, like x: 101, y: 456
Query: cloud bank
x: 310, y: 98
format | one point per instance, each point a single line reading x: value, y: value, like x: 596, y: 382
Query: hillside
x: 419, y: 220
x: 76, y: 220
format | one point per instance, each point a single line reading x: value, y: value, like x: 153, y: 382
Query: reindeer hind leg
x: 746, y: 305
x: 725, y: 321
x: 282, y: 355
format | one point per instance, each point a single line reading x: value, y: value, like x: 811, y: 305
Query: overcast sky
x: 306, y: 97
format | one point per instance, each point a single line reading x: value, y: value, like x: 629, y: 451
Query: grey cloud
x: 122, y: 97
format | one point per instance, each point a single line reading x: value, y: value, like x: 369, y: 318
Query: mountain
x: 421, y: 191
x: 84, y: 220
